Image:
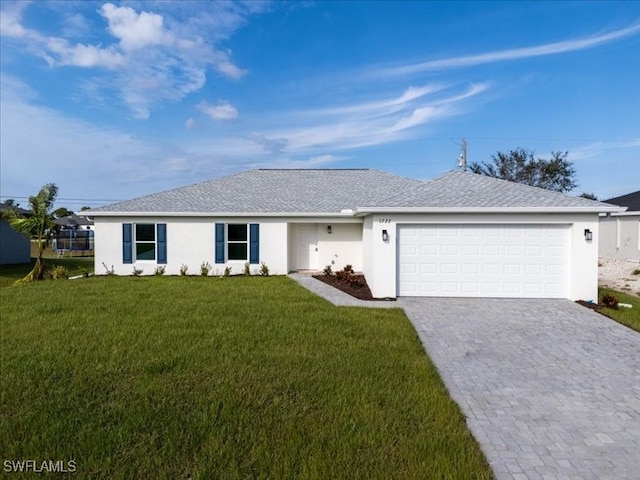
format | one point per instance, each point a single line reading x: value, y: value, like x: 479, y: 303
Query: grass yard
x: 191, y: 377
x: 75, y: 265
x: 626, y: 316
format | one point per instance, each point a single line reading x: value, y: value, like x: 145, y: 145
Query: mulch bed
x: 594, y: 306
x: 363, y: 292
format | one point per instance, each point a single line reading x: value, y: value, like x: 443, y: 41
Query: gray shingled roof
x: 469, y: 190
x: 331, y: 191
x: 272, y: 191
x: 630, y: 200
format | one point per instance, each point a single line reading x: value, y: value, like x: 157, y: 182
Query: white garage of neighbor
x: 460, y: 235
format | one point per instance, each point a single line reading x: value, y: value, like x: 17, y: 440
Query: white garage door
x: 483, y: 261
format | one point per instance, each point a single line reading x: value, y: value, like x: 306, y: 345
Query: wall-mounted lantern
x: 329, y: 229
x: 385, y: 236
x: 588, y: 235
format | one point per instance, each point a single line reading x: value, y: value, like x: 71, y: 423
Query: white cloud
x: 155, y: 57
x: 511, y: 54
x: 223, y: 111
x: 190, y: 123
x: 87, y: 56
x: 598, y: 149
x: 370, y: 123
x: 135, y: 30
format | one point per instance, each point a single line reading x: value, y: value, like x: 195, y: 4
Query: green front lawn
x: 626, y: 316
x: 190, y: 377
x: 75, y: 265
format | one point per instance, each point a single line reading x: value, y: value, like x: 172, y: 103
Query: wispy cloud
x: 223, y: 111
x: 369, y: 123
x: 154, y: 56
x: 622, y: 149
x: 510, y: 54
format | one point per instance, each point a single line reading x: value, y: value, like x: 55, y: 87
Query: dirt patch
x: 618, y: 275
x: 361, y: 292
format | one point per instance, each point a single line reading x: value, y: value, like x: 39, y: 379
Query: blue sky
x: 116, y: 100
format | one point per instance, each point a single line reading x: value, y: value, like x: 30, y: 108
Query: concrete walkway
x: 550, y: 390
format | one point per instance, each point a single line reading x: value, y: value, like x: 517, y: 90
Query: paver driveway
x: 550, y: 389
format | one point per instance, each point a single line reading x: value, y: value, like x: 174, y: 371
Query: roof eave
x: 344, y: 213
x: 368, y: 210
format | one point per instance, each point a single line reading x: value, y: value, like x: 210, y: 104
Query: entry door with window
x: 305, y: 246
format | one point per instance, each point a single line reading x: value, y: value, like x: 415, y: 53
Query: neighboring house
x: 461, y: 235
x: 620, y: 231
x: 75, y: 222
x: 14, y: 247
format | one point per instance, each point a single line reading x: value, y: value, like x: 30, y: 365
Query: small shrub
x: 59, y: 272
x: 636, y: 272
x: 205, y: 268
x: 111, y: 271
x: 610, y: 301
x: 264, y: 270
x: 136, y: 272
x: 160, y: 269
x: 227, y: 272
x: 247, y: 269
x: 184, y: 269
x: 327, y: 271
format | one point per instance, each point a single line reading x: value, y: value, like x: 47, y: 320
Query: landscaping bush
x: 59, y: 272
x: 264, y: 270
x: 205, y: 268
x: 184, y: 269
x: 327, y: 271
x: 610, y: 301
x: 160, y: 270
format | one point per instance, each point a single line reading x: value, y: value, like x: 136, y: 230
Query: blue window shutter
x: 127, y: 243
x: 219, y: 242
x: 161, y: 239
x: 254, y: 243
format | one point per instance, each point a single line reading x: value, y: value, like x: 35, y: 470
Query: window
x: 145, y: 240
x: 237, y: 243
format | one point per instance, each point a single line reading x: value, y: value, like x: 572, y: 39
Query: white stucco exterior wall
x: 620, y: 237
x: 381, y: 273
x: 191, y: 241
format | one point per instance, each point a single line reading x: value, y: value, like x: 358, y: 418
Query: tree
x: 589, y: 196
x: 85, y: 208
x: 62, y: 212
x: 39, y: 225
x: 521, y: 166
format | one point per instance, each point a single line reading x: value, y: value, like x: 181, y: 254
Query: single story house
x: 460, y: 235
x: 620, y: 231
x: 15, y: 248
x: 75, y: 222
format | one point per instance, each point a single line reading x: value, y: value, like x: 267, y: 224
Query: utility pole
x: 462, y: 159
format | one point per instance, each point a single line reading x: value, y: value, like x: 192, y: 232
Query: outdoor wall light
x: 588, y: 235
x: 329, y: 229
x: 385, y: 235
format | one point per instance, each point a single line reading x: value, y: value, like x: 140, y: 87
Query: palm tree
x: 38, y: 226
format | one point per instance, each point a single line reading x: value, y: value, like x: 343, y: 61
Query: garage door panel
x: 483, y: 260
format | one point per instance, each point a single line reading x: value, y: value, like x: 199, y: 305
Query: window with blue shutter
x: 161, y: 237
x: 254, y: 243
x: 219, y: 243
x: 127, y: 243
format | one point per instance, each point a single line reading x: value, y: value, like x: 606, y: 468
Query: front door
x: 305, y: 246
